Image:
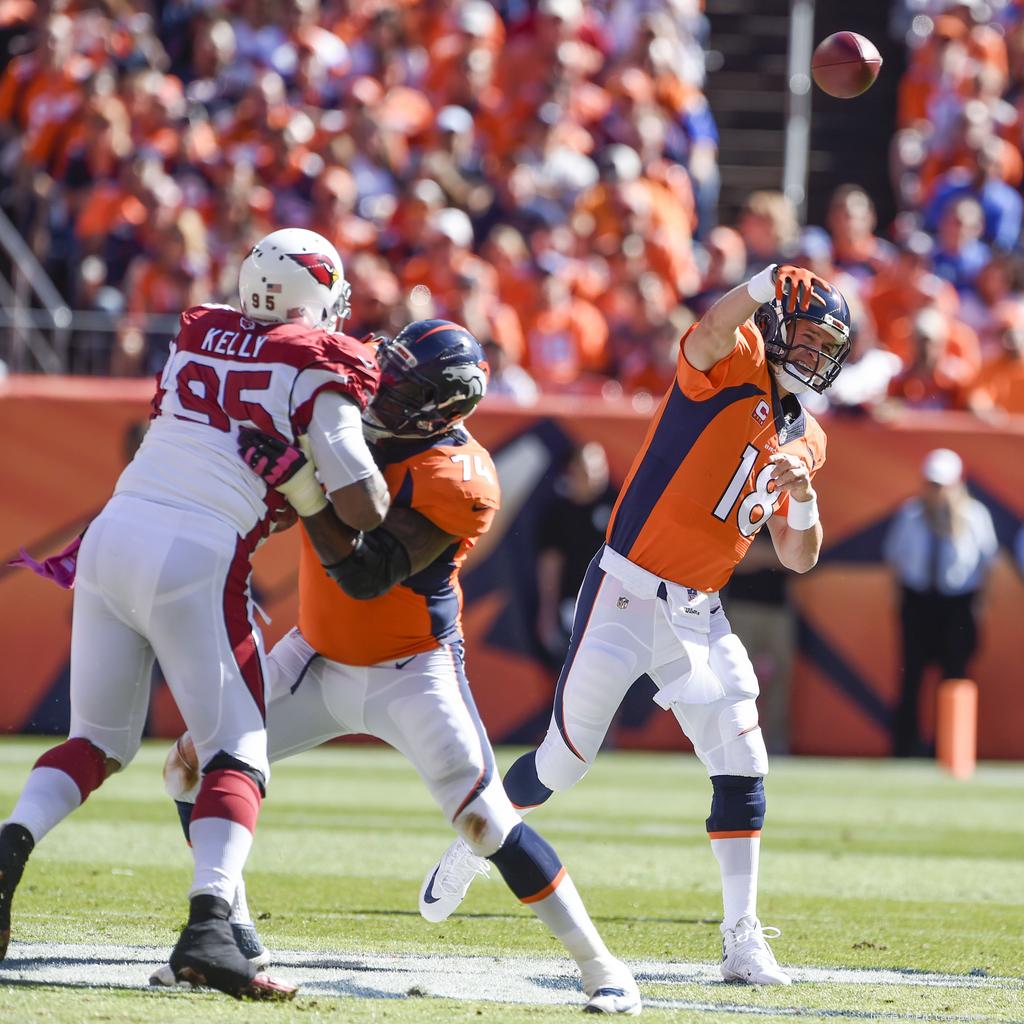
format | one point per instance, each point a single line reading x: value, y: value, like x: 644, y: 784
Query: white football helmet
x: 294, y: 274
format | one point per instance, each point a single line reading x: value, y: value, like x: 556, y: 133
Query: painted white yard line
x: 523, y: 980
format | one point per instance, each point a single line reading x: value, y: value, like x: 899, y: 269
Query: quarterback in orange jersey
x: 379, y: 645
x: 729, y: 450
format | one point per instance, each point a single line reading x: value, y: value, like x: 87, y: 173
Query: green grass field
x: 864, y: 865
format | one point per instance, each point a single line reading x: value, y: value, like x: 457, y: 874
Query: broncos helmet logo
x: 472, y: 375
x: 321, y: 267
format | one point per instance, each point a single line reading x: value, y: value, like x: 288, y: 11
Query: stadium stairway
x: 748, y: 92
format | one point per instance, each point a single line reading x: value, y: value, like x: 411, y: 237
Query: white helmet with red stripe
x: 294, y: 274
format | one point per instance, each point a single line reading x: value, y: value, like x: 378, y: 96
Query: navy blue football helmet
x: 432, y: 375
x: 817, y: 369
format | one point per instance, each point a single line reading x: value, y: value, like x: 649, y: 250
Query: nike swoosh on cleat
x: 428, y: 897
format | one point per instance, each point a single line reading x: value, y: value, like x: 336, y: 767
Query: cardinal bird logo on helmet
x: 321, y: 267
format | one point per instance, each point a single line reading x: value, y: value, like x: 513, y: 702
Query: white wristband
x: 802, y: 515
x: 761, y: 287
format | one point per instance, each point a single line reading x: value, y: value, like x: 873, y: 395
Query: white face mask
x: 788, y: 380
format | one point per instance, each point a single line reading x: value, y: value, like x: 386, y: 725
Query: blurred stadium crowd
x: 543, y: 172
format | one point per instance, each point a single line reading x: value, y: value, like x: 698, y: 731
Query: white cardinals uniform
x: 164, y: 569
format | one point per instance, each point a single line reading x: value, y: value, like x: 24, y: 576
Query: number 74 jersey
x: 700, y: 487
x: 225, y: 370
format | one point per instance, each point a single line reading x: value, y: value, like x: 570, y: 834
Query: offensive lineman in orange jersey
x: 379, y: 645
x: 729, y: 449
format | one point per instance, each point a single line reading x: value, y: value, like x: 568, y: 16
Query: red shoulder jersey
x: 452, y: 482
x: 299, y: 361
x: 223, y: 371
x: 699, y: 488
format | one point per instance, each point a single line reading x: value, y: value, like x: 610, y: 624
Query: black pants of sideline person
x: 937, y: 629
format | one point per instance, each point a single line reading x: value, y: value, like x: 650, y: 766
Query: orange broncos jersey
x: 451, y: 481
x: 699, y: 489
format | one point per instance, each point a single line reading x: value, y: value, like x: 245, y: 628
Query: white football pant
x: 170, y: 583
x: 703, y: 675
x: 420, y: 705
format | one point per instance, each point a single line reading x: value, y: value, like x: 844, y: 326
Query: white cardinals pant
x: 421, y: 706
x: 629, y: 623
x: 155, y: 581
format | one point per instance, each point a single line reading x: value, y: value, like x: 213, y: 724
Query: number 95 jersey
x: 699, y: 489
x: 225, y: 370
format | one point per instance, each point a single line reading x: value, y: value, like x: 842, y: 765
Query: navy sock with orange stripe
x: 734, y: 828
x: 533, y: 871
x: 528, y: 863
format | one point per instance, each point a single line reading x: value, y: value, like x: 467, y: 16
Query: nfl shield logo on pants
x: 623, y: 602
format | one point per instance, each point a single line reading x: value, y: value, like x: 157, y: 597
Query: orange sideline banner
x: 66, y: 440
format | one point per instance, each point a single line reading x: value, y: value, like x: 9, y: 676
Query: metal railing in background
x: 34, y: 343
x: 80, y: 343
x: 798, y: 118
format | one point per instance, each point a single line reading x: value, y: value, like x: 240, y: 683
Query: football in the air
x: 845, y: 64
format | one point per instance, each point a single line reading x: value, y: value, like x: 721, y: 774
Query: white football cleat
x: 447, y: 883
x: 747, y: 957
x: 610, y: 987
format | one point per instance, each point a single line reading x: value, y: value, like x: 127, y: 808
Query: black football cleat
x: 207, y: 953
x: 16, y: 844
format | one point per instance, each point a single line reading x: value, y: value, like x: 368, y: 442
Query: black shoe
x: 16, y: 844
x: 208, y: 954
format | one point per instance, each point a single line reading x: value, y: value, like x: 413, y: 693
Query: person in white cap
x: 940, y: 545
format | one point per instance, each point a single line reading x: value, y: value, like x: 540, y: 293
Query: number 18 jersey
x: 699, y: 488
x: 225, y: 370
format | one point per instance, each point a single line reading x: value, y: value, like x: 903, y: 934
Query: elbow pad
x: 378, y: 561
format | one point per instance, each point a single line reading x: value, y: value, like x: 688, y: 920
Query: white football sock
x: 567, y: 918
x: 240, y: 907
x: 49, y: 796
x: 738, y: 858
x: 220, y: 849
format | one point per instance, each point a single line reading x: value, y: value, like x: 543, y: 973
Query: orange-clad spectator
x: 469, y: 34
x: 156, y: 104
x: 97, y: 150
x: 624, y: 202
x: 408, y: 223
x: 973, y: 129
x: 908, y: 286
x: 446, y: 253
x: 998, y: 284
x: 655, y: 373
x: 454, y: 162
x: 518, y: 286
x: 566, y: 339
x: 174, y: 277
x: 999, y: 385
x: 331, y: 212
x: 942, y: 56
x: 940, y: 362
x: 488, y: 318
x: 726, y: 267
x: 851, y: 222
x: 42, y: 92
x: 532, y: 53
x: 770, y: 228
x: 376, y: 296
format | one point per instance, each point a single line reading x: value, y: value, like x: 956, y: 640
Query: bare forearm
x: 331, y: 538
x: 798, y: 550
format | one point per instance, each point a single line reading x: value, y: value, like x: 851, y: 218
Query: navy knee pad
x: 528, y: 863
x: 185, y: 817
x: 523, y: 785
x: 737, y: 805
